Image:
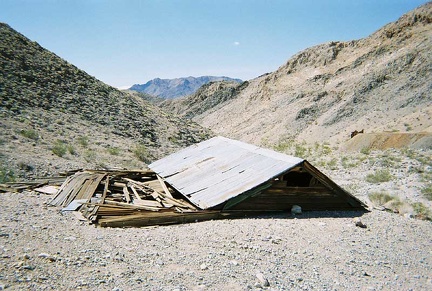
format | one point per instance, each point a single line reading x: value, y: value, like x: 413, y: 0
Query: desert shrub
x: 113, y: 151
x: 90, y: 156
x: 351, y: 187
x: 426, y: 176
x: 379, y: 176
x: 424, y: 160
x: 300, y: 151
x: 283, y: 145
x: 326, y: 149
x: 349, y: 163
x: 380, y: 198
x: 83, y: 141
x: 332, y: 164
x: 390, y: 202
x: 25, y: 166
x: 59, y: 148
x: 71, y: 149
x: 29, y: 133
x: 365, y: 151
x: 407, y: 127
x: 427, y: 192
x: 388, y: 159
x: 422, y: 211
x: 6, y: 174
x: 140, y: 151
x: 410, y: 153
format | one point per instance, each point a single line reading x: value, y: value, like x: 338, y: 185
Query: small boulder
x: 296, y: 210
x: 262, y: 280
x: 357, y: 221
x: 203, y: 267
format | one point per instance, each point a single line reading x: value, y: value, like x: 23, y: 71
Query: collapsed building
x: 217, y: 178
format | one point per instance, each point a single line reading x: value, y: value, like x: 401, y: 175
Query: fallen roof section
x: 220, y: 172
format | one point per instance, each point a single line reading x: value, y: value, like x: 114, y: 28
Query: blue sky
x: 125, y: 42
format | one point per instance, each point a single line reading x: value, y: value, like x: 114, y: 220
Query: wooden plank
x: 104, y: 194
x: 132, y: 205
x: 174, y: 201
x: 89, y: 187
x: 135, y: 192
x: 151, y: 203
x: 93, y: 215
x: 154, y: 184
x: 119, y: 185
x: 166, y: 218
x: 83, y: 192
x: 303, y: 191
x: 126, y: 194
x: 164, y: 187
x: 65, y: 190
x: 47, y: 189
x: 73, y: 189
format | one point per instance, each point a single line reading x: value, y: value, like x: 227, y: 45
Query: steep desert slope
x: 379, y: 83
x: 207, y: 97
x: 55, y: 116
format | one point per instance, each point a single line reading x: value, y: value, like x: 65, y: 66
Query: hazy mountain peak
x: 178, y: 87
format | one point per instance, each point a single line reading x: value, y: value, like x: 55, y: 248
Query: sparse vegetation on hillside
x: 29, y: 133
x: 141, y: 152
x: 83, y: 141
x: 6, y: 174
x: 60, y: 148
x: 44, y: 98
x: 427, y: 191
x: 207, y: 97
x: 380, y: 176
x: 115, y: 151
x: 374, y: 168
x: 396, y: 205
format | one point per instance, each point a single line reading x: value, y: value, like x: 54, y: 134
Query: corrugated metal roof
x: 216, y: 170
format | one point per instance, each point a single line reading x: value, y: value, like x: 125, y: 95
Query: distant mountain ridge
x: 179, y: 87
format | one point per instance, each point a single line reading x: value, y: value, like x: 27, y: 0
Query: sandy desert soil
x: 42, y: 249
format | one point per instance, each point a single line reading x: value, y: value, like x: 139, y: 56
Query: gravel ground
x: 41, y: 249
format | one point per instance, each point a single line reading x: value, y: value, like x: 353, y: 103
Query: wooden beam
x: 126, y: 194
x: 135, y: 192
x: 164, y: 187
x: 166, y: 218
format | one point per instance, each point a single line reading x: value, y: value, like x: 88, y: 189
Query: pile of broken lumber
x: 130, y: 199
x: 121, y: 198
x: 19, y: 186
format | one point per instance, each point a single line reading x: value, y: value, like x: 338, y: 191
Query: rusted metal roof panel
x: 216, y: 170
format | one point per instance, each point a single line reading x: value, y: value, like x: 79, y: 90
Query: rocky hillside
x: 207, y: 97
x: 173, y: 88
x: 55, y: 116
x: 379, y: 83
